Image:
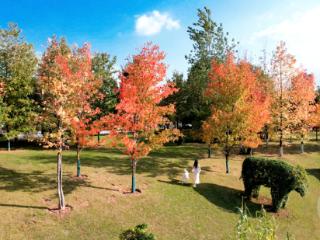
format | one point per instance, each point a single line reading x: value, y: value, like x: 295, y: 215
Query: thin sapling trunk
x: 78, y: 161
x: 9, y: 145
x: 59, y: 180
x: 209, y: 151
x: 133, y: 169
x: 302, y: 144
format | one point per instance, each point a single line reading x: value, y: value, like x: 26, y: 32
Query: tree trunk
x: 302, y: 146
x: 227, y: 151
x: 78, y: 161
x: 9, y: 145
x: 281, y: 146
x: 281, y: 113
x: 133, y: 168
x: 251, y: 152
x: 316, y: 134
x: 59, y: 180
x: 99, y: 137
x: 227, y: 163
x: 209, y: 151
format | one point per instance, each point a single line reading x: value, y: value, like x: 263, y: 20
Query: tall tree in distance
x: 103, y: 67
x: 317, y: 98
x: 178, y: 99
x: 315, y: 116
x: 209, y: 42
x: 1, y: 101
x: 139, y: 115
x: 283, y: 71
x: 17, y: 73
x: 302, y: 96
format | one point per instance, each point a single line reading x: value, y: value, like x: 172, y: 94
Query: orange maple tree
x: 302, y: 96
x: 140, y: 123
x: 283, y: 71
x: 64, y: 77
x: 258, y: 109
x: 239, y: 108
x: 78, y: 70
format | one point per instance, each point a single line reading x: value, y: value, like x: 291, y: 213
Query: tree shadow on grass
x: 114, y: 161
x: 183, y: 151
x: 35, y: 181
x: 176, y: 182
x: 314, y: 172
x: 21, y: 206
x: 226, y: 198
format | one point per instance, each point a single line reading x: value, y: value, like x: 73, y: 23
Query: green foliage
x: 139, y: 232
x: 317, y: 99
x: 103, y: 67
x: 209, y: 42
x: 209, y: 39
x: 281, y: 177
x: 17, y: 73
x: 178, y: 98
x: 263, y: 229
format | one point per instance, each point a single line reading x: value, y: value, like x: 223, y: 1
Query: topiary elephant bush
x: 281, y: 177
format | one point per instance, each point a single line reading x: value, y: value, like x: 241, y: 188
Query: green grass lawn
x: 173, y: 211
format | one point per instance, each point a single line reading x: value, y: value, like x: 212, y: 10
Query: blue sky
x: 121, y: 27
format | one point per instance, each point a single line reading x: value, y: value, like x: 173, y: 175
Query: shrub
x: 281, y: 177
x: 137, y: 233
x: 264, y: 229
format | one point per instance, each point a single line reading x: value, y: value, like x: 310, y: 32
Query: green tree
x: 103, y: 67
x: 178, y: 98
x: 17, y: 73
x: 209, y: 42
x: 317, y: 98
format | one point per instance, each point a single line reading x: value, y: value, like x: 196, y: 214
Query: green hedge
x: 281, y: 177
x: 139, y: 232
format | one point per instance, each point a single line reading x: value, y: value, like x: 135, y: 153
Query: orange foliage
x: 67, y: 84
x: 77, y: 70
x: 139, y: 113
x: 302, y: 95
x: 240, y: 106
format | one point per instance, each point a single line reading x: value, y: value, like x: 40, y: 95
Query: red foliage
x: 77, y: 70
x: 239, y: 102
x: 136, y: 125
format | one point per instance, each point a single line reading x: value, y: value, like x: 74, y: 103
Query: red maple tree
x: 240, y: 106
x: 140, y: 123
x: 78, y: 70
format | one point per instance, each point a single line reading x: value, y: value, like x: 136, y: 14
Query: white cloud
x: 152, y: 23
x: 302, y: 35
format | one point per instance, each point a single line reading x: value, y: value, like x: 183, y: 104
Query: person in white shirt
x: 185, y: 176
x: 196, y: 171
